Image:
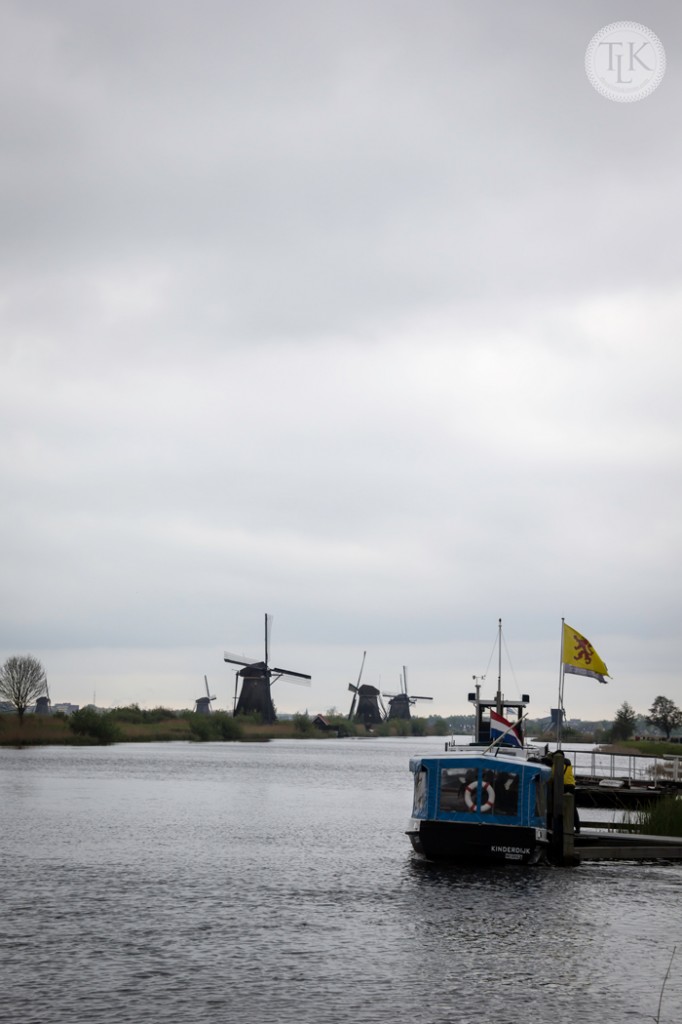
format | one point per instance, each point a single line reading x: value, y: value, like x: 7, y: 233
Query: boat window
x: 421, y: 788
x: 453, y: 786
x: 505, y: 786
x: 497, y: 791
x: 540, y: 786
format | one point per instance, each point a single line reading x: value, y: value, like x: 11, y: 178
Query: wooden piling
x: 557, y: 808
x: 562, y: 845
x: 569, y: 854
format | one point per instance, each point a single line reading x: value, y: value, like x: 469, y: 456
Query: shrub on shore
x: 303, y: 725
x: 133, y: 714
x: 662, y: 818
x: 100, y: 726
x: 412, y: 726
x: 216, y: 726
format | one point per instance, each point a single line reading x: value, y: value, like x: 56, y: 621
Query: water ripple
x: 274, y: 883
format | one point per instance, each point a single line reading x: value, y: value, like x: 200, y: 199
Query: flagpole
x: 560, y: 701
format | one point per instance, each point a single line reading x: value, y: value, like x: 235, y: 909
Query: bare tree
x: 22, y: 681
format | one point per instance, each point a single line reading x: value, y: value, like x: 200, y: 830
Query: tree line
x: 664, y: 715
x: 23, y: 680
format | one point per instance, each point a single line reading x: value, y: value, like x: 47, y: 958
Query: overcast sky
x: 364, y: 314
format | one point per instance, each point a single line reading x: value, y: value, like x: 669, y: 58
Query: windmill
x: 399, y: 703
x: 367, y: 707
x: 203, y: 704
x: 43, y: 704
x: 257, y: 678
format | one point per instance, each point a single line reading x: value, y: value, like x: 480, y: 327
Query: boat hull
x: 477, y: 843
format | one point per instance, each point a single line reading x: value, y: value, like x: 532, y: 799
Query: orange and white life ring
x: 487, y: 797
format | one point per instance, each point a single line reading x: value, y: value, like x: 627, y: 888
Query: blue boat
x: 480, y: 808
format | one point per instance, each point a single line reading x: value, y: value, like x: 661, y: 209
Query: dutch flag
x: 500, y: 727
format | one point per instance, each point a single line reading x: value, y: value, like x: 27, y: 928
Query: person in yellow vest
x: 569, y: 777
x: 569, y: 787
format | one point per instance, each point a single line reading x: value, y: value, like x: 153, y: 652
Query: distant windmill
x: 399, y: 703
x: 43, y: 704
x: 257, y: 678
x: 203, y: 704
x: 366, y: 708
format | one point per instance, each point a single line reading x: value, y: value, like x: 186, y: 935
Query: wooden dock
x: 598, y: 844
x: 624, y: 798
x: 623, y: 781
x: 597, y: 840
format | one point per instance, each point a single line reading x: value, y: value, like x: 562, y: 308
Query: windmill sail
x: 297, y: 675
x: 239, y: 659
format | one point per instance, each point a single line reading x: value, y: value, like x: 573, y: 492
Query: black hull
x: 477, y: 843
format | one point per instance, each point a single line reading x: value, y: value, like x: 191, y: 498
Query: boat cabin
x: 512, y: 710
x: 487, y: 807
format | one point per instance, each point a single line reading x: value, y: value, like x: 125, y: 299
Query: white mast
x: 560, y: 701
x: 499, y: 666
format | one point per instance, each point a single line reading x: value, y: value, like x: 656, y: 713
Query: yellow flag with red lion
x: 580, y: 657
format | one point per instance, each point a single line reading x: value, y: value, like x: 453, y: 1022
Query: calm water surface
x: 273, y: 883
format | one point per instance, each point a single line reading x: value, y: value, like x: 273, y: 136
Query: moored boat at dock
x: 484, y: 802
x: 479, y: 807
x: 497, y: 800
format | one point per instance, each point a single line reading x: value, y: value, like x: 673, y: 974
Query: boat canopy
x: 489, y: 788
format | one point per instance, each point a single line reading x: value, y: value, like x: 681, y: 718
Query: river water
x: 272, y: 883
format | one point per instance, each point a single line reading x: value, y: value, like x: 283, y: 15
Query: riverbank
x: 117, y: 727
x: 649, y: 748
x: 133, y: 725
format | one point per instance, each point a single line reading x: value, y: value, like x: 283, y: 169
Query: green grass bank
x: 134, y: 725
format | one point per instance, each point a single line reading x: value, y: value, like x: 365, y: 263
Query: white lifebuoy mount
x: 487, y: 797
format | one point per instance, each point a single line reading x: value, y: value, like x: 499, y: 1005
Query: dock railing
x: 633, y: 769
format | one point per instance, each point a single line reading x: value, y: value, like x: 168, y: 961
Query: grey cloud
x: 365, y: 315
